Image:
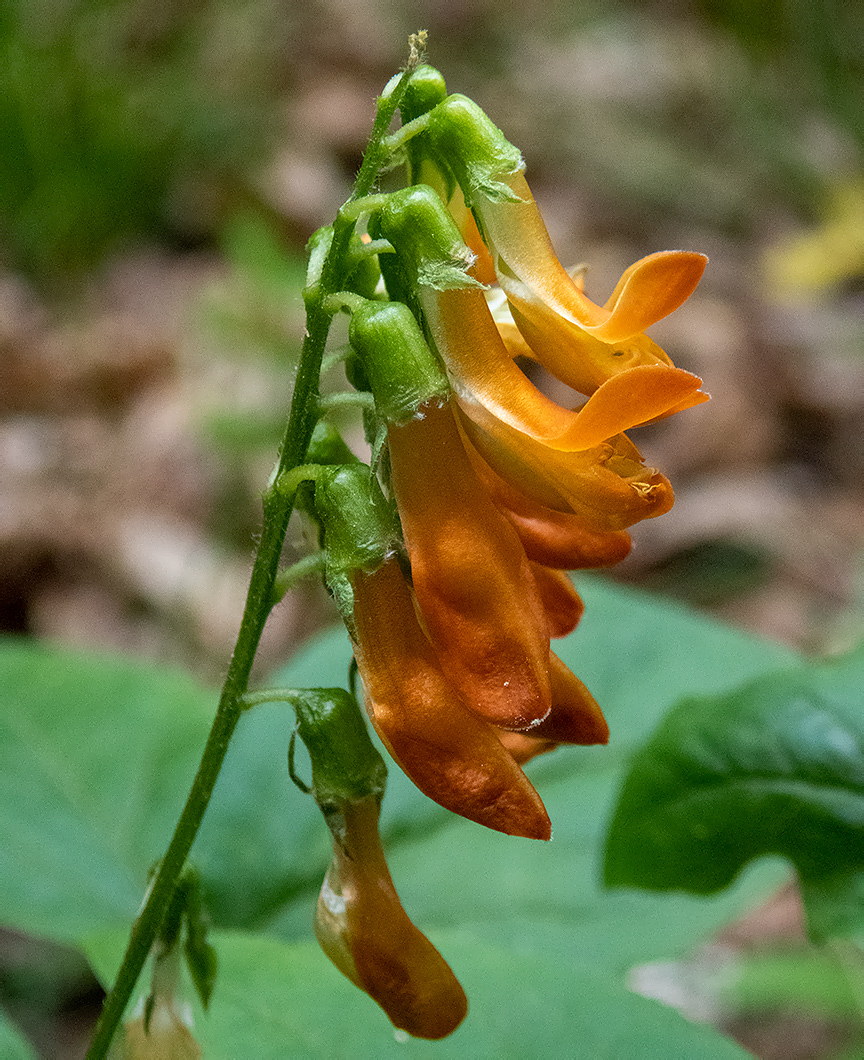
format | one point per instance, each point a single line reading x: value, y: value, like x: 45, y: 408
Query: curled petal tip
x: 649, y: 290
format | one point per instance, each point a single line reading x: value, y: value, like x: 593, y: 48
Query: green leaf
x: 13, y: 1046
x: 275, y: 999
x: 96, y: 756
x: 775, y: 767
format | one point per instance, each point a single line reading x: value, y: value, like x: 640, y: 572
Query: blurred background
x: 162, y: 165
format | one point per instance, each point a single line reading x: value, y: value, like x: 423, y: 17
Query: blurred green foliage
x: 813, y: 46
x: 120, y: 120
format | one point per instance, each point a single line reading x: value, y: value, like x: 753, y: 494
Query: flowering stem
x: 260, y: 598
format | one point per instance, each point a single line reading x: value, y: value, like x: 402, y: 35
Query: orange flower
x: 362, y: 927
x: 582, y: 343
x: 450, y: 753
x: 473, y: 582
x: 568, y: 460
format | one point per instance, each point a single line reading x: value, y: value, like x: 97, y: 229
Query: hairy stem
x: 259, y: 601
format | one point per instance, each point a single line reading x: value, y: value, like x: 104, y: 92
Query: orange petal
x: 608, y: 487
x: 523, y: 249
x: 575, y: 718
x: 450, y: 753
x: 633, y: 398
x: 363, y: 929
x: 474, y: 586
x: 562, y: 603
x: 649, y: 290
x: 555, y: 539
x: 483, y: 371
x: 570, y: 352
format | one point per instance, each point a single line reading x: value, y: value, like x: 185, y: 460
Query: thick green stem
x: 277, y: 511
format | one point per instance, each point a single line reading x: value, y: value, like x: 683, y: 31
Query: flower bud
x: 425, y: 90
x: 165, y: 1036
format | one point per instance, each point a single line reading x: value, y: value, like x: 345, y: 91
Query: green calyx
x: 346, y: 766
x: 476, y: 150
x: 426, y: 238
x: 402, y: 372
x: 359, y: 527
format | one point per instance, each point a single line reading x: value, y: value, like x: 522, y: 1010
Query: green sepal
x: 346, y: 766
x: 401, y: 370
x: 425, y: 236
x: 359, y: 527
x: 475, y: 148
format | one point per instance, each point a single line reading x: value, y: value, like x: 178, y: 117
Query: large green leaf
x: 774, y: 767
x: 96, y: 756
x: 275, y: 999
x: 12, y: 1045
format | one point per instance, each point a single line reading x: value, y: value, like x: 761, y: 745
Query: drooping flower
x: 478, y: 363
x: 451, y: 753
x: 576, y: 461
x: 362, y: 927
x: 164, y: 1036
x: 447, y: 750
x: 486, y: 610
x: 360, y: 922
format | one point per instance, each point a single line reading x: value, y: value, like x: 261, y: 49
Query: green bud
x: 346, y: 766
x: 425, y: 90
x: 328, y: 446
x: 365, y: 274
x: 402, y: 371
x: 475, y: 148
x: 425, y: 236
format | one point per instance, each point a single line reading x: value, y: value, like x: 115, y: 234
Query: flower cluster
x: 448, y: 556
